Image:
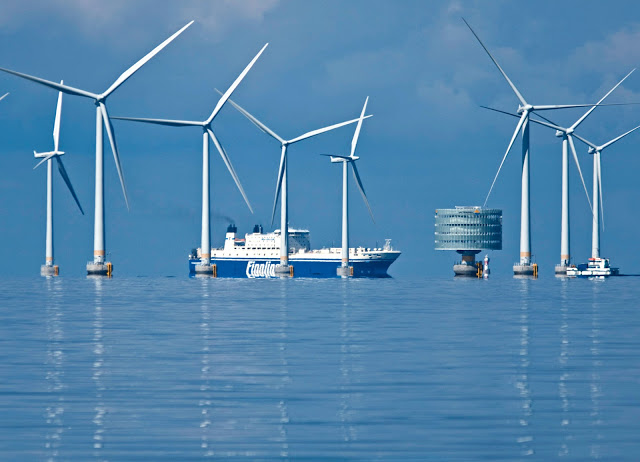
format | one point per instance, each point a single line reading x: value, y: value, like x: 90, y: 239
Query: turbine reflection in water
x: 595, y: 386
x: 563, y: 360
x: 522, y: 383
x: 98, y: 368
x: 54, y: 369
x: 346, y: 411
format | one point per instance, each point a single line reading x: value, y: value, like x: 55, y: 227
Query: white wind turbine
x: 524, y: 109
x: 99, y: 266
x: 597, y: 188
x: 344, y: 269
x: 49, y: 269
x: 566, y: 133
x: 281, y: 185
x: 207, y: 132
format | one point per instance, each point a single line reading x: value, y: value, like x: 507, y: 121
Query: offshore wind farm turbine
x: 49, y: 269
x: 524, y: 267
x: 205, y: 266
x: 282, y: 182
x: 567, y: 140
x: 597, y: 188
x: 99, y: 266
x: 344, y: 270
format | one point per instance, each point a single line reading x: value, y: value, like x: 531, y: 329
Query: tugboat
x: 596, y: 267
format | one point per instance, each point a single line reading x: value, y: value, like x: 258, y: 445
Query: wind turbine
x: 567, y: 139
x: 99, y: 266
x: 3, y: 96
x: 281, y: 185
x: 524, y: 109
x: 205, y: 246
x: 49, y: 269
x: 344, y: 270
x: 597, y: 188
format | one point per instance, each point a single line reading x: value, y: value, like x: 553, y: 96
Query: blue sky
x: 428, y: 146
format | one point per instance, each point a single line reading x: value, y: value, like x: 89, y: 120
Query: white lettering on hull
x: 260, y: 270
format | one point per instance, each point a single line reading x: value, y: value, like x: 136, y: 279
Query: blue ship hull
x: 265, y: 268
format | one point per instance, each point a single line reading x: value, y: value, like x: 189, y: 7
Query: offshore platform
x: 468, y: 231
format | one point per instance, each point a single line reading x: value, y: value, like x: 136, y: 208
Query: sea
x: 425, y: 369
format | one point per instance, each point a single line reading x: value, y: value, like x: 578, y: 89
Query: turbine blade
x: 56, y: 86
x: 575, y: 158
x: 361, y: 188
x: 606, y: 145
x: 326, y: 129
x: 129, y: 72
x: 513, y: 138
x: 3, y: 96
x: 283, y: 158
x: 513, y: 87
x: 255, y: 121
x: 587, y: 142
x: 227, y: 161
x: 586, y: 114
x: 540, y: 122
x: 44, y: 159
x: 168, y: 122
x: 600, y: 186
x: 65, y: 177
x: 114, y: 149
x: 235, y: 84
x: 56, y: 124
x: 354, y: 141
x: 550, y: 107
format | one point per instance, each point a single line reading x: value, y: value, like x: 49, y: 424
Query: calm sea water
x: 433, y: 369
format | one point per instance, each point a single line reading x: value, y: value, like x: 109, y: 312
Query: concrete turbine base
x: 344, y: 271
x: 561, y: 270
x: 99, y: 269
x: 46, y: 270
x: 523, y: 270
x: 283, y: 270
x: 203, y: 270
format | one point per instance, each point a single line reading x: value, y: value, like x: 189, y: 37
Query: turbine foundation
x: 344, y: 271
x: 525, y: 270
x: 49, y: 270
x: 99, y: 269
x: 204, y: 270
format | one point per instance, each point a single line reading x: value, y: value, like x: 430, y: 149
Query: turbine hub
x: 526, y: 107
x: 591, y: 150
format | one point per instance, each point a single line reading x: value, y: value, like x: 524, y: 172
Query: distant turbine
x: 524, y: 267
x: 567, y: 139
x: 207, y: 132
x: 346, y: 160
x: 597, y: 188
x: 98, y: 266
x: 48, y: 269
x: 281, y: 184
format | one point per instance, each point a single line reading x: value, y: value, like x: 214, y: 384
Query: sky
x: 429, y: 144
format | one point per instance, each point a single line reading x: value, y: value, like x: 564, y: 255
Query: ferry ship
x: 258, y: 253
x: 596, y: 267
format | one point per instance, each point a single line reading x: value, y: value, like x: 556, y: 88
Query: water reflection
x: 346, y: 411
x: 54, y: 369
x: 98, y: 369
x: 205, y: 370
x: 595, y: 385
x: 563, y: 360
x: 281, y: 387
x: 525, y: 439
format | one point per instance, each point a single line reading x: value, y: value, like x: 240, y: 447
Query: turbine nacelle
x: 523, y: 108
x: 559, y: 133
x: 591, y: 150
x: 47, y: 154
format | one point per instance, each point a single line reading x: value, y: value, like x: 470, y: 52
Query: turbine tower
x: 99, y: 266
x: 567, y: 141
x: 49, y: 269
x: 524, y: 267
x: 344, y: 270
x: 597, y: 188
x: 205, y: 266
x: 281, y: 185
